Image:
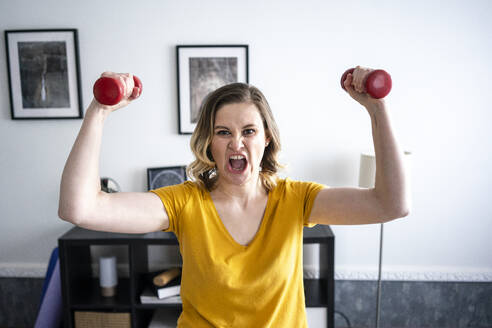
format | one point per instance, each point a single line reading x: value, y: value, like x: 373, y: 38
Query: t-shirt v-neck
x: 227, y: 234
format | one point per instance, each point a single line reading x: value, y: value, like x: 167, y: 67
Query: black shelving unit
x: 81, y: 292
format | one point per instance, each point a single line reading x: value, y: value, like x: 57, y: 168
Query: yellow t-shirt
x: 226, y: 284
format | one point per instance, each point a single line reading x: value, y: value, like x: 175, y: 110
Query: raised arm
x: 388, y: 200
x: 81, y: 200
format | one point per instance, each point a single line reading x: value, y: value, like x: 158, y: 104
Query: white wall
x: 438, y: 55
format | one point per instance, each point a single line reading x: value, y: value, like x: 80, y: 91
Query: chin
x: 238, y: 179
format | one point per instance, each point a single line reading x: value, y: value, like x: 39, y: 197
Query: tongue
x: 238, y: 164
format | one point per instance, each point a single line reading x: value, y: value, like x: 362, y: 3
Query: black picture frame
x: 202, y: 69
x: 44, y: 74
x: 158, y: 177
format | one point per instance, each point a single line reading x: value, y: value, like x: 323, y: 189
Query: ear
x: 267, y: 141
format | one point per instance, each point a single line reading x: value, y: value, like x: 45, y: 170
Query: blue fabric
x: 49, y: 271
x: 50, y: 310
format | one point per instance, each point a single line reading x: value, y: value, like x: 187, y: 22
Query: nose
x: 236, y: 143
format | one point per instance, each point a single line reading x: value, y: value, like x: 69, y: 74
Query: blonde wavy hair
x: 203, y: 169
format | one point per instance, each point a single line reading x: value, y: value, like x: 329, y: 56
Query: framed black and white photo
x: 44, y: 77
x: 158, y: 177
x: 202, y: 69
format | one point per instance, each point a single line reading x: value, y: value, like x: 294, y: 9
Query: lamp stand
x: 378, y: 302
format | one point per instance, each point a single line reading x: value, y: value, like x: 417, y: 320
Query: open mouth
x: 237, y: 163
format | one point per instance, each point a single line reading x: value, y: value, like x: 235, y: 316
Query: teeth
x: 237, y: 157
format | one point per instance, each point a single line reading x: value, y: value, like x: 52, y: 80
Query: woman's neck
x: 239, y: 193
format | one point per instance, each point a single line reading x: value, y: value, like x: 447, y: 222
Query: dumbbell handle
x: 110, y: 90
x: 378, y: 83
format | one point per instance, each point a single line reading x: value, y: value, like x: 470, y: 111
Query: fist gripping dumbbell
x: 378, y: 83
x: 110, y: 90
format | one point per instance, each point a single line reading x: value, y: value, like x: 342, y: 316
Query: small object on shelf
x: 171, y: 288
x: 166, y: 276
x: 108, y: 278
x: 149, y: 297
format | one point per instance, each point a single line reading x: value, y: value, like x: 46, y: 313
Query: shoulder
x: 183, y: 190
x: 187, y: 185
x: 296, y: 188
x: 292, y: 185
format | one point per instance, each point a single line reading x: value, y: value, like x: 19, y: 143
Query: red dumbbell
x: 110, y: 90
x: 378, y: 83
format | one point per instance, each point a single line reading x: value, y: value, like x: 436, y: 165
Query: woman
x: 239, y: 227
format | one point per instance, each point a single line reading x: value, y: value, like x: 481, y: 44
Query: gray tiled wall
x: 404, y: 304
x: 414, y: 304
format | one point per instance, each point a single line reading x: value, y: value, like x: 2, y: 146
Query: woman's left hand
x: 355, y: 86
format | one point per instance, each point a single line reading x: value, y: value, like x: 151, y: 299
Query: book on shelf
x: 173, y: 288
x: 164, y: 283
x: 149, y: 297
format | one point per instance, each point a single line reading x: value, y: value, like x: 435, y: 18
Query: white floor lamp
x: 367, y: 178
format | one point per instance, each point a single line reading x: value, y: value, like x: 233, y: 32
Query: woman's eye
x: 249, y: 131
x: 222, y: 132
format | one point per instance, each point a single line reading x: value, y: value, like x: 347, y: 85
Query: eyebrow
x: 244, y: 127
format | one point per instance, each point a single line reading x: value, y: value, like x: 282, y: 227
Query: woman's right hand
x: 130, y: 91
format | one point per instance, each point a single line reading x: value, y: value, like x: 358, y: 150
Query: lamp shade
x: 367, y: 171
